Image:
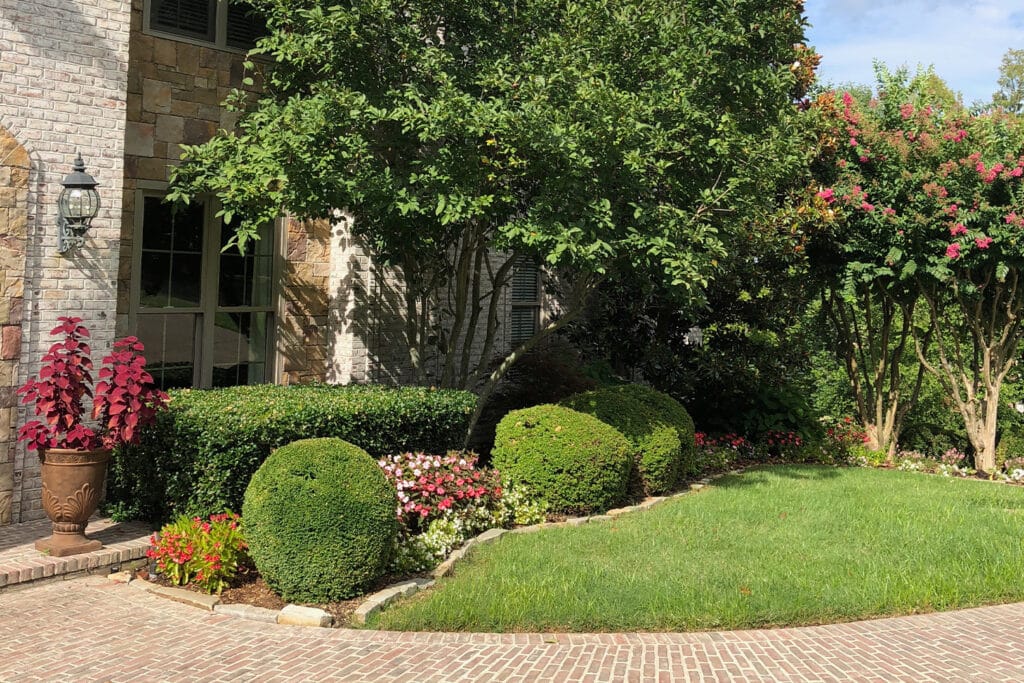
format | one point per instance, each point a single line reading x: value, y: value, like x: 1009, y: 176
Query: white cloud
x: 964, y: 40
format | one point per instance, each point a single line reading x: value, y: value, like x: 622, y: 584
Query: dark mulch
x: 249, y: 588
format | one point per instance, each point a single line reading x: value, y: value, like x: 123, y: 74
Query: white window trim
x: 220, y: 41
x: 203, y: 371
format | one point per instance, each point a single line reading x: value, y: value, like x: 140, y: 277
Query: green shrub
x: 1010, y: 447
x: 572, y: 461
x: 319, y: 517
x: 199, y: 456
x: 657, y: 426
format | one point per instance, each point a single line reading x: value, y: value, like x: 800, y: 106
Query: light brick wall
x: 367, y: 314
x: 63, y: 76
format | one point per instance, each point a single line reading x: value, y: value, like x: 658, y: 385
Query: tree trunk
x: 981, y: 429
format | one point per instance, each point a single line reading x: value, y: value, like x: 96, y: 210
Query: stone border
x: 289, y: 615
x: 388, y: 596
x: 299, y: 615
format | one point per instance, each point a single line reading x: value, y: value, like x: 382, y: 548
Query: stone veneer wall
x: 303, y: 332
x: 341, y: 316
x: 14, y: 172
x: 174, y: 93
x: 63, y: 73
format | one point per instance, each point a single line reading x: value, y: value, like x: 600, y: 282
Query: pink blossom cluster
x: 430, y: 485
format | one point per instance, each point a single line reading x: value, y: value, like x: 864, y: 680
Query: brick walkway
x: 92, y: 629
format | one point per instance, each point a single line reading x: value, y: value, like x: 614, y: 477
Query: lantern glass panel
x: 78, y: 204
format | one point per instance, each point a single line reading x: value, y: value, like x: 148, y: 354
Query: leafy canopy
x: 580, y: 133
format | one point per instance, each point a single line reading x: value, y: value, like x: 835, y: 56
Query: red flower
x: 953, y: 251
x: 983, y: 242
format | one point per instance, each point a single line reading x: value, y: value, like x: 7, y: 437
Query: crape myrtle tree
x: 577, y: 134
x: 927, y: 209
x: 868, y: 305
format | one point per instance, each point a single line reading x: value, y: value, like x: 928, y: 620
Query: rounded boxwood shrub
x: 319, y: 517
x: 658, y: 427
x: 573, y: 461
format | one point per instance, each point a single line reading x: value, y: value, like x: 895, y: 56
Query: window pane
x: 186, y: 278
x: 524, y: 323
x: 240, y: 348
x: 188, y: 222
x: 231, y: 288
x: 170, y: 348
x: 245, y: 25
x: 156, y: 219
x: 172, y: 239
x: 262, y: 281
x: 192, y: 18
x: 246, y: 280
x: 155, y: 280
x: 524, y: 282
x: 172, y: 226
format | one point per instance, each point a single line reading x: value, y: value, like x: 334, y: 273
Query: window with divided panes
x: 524, y: 297
x: 205, y: 316
x: 222, y: 23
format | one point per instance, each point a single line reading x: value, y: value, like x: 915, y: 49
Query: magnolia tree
x: 926, y: 206
x: 576, y: 134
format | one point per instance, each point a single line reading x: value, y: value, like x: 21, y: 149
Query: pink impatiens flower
x: 983, y: 242
x: 953, y: 251
x: 827, y: 194
x: 958, y: 229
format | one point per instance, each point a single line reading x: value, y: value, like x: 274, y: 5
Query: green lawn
x: 775, y: 546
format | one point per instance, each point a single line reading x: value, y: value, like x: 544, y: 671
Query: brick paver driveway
x: 95, y: 630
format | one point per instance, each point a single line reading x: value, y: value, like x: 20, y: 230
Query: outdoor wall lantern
x: 78, y: 204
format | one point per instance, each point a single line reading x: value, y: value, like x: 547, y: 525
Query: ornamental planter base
x: 72, y: 482
x: 62, y: 545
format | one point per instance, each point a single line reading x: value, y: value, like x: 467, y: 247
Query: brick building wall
x: 63, y: 72
x: 86, y: 77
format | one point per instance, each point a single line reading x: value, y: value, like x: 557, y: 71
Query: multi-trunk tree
x: 577, y: 134
x: 925, y: 208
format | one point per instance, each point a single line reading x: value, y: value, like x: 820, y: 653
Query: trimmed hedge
x: 201, y: 452
x: 657, y: 426
x: 319, y: 517
x: 573, y: 461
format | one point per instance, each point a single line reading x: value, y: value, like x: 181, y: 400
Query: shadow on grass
x: 795, y: 472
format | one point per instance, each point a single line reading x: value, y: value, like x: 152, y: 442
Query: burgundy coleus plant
x: 125, y: 398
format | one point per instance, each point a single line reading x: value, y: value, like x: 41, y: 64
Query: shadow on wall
x: 69, y: 58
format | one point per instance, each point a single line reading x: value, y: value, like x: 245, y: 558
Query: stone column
x: 14, y: 174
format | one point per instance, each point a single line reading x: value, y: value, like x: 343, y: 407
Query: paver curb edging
x: 298, y: 615
x: 391, y: 594
x: 289, y: 615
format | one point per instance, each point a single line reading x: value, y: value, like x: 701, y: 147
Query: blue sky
x: 963, y: 39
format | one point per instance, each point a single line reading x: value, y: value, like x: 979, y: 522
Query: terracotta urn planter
x: 72, y: 484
